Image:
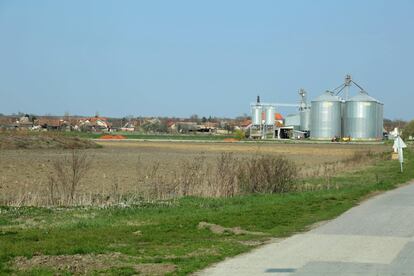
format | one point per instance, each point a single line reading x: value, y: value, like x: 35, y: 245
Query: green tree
x: 408, y: 130
x: 240, y: 134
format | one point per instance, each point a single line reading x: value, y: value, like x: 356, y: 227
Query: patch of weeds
x: 121, y: 271
x: 42, y: 272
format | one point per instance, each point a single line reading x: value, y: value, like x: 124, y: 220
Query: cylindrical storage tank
x: 326, y: 117
x: 380, y: 114
x: 343, y: 104
x: 270, y: 115
x: 305, y: 118
x: 257, y: 114
x: 363, y: 118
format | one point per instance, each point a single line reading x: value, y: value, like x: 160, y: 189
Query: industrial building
x: 331, y: 116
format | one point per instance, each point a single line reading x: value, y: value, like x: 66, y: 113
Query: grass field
x: 164, y: 237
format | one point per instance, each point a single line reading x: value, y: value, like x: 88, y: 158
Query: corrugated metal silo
x: 305, y: 119
x: 257, y: 114
x: 326, y: 117
x: 363, y: 118
x: 380, y: 114
x: 270, y: 115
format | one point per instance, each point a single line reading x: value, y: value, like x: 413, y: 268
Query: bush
x: 66, y: 175
x: 228, y: 176
x: 268, y: 174
x: 408, y: 130
x: 227, y: 170
x: 240, y: 134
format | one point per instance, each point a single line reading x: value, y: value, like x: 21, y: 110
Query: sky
x: 211, y: 58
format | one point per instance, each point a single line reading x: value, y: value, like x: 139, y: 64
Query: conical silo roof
x: 363, y: 97
x: 328, y: 96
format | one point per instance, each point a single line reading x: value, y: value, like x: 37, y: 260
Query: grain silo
x: 363, y: 118
x: 326, y: 117
x: 270, y: 115
x: 304, y: 112
x: 257, y: 115
x: 380, y: 113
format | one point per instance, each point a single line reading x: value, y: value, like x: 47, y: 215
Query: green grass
x: 168, y: 233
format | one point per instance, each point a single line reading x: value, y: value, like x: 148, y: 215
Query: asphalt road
x: 374, y: 238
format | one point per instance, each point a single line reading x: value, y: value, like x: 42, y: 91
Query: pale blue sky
x: 177, y: 58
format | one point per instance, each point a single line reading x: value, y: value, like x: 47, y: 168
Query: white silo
x: 363, y: 118
x: 326, y: 117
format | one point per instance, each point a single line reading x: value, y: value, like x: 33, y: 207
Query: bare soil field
x: 115, y: 165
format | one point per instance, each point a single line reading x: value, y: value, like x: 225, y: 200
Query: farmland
x: 146, y: 136
x: 171, y: 237
x: 116, y: 164
x: 177, y: 235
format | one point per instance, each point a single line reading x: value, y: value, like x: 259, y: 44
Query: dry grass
x: 268, y: 174
x: 130, y: 173
x: 228, y: 176
x: 12, y: 140
x: 325, y: 172
x: 85, y: 264
x: 355, y: 161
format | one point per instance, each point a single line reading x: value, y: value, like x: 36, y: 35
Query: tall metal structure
x: 270, y: 112
x: 263, y: 117
x: 304, y: 111
x: 334, y: 114
x: 347, y: 85
x: 257, y: 115
x: 363, y: 117
x: 326, y: 117
x: 256, y: 111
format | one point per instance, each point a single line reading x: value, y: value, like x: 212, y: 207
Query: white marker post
x: 398, y: 146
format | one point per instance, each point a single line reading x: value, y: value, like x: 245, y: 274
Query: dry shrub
x: 192, y: 175
x: 152, y: 183
x: 66, y: 175
x: 226, y: 177
x: 268, y: 174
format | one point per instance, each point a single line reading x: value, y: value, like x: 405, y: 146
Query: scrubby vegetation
x: 226, y: 176
x: 408, y: 130
x: 42, y: 140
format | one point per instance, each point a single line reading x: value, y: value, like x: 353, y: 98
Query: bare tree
x: 66, y: 175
